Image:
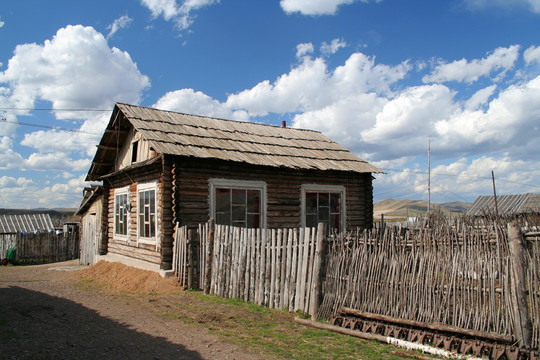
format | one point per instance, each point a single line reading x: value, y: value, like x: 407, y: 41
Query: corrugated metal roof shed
x: 180, y: 134
x: 506, y: 204
x: 25, y: 223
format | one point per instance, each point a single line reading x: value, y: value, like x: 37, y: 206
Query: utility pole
x: 429, y: 177
x: 494, y: 194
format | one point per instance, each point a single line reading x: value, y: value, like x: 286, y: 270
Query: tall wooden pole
x: 494, y: 193
x: 429, y: 177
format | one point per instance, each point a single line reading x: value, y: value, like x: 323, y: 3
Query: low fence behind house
x: 43, y: 247
x: 474, y: 276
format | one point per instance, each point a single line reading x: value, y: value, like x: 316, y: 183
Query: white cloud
x: 57, y: 161
x: 304, y: 49
x: 181, y: 14
x: 480, y: 98
x: 1, y: 24
x: 195, y: 102
x: 532, y: 55
x: 310, y: 86
x: 333, y: 47
x: 76, y: 69
x: 9, y: 159
x: 121, y: 23
x: 502, y: 59
x: 11, y: 182
x: 32, y: 195
x: 315, y: 7
x: 533, y: 5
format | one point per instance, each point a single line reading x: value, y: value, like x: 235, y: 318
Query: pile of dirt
x: 129, y: 279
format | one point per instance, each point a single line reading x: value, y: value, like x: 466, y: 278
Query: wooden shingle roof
x: 174, y: 133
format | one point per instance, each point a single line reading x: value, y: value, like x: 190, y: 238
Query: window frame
x: 118, y: 192
x: 318, y: 188
x: 152, y: 186
x: 239, y: 185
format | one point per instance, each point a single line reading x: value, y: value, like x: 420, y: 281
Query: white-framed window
x: 323, y: 203
x: 121, y: 212
x: 147, y: 212
x: 238, y: 203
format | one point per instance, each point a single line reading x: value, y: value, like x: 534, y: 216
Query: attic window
x: 134, y: 150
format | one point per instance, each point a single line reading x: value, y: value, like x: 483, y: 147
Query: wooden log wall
x: 190, y: 181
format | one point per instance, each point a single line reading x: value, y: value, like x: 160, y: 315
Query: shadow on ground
x: 34, y: 325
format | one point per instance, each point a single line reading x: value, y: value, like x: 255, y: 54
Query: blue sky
x: 381, y: 77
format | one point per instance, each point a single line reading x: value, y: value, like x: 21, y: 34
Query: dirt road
x: 46, y: 313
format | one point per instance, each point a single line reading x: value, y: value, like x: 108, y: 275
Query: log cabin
x: 161, y: 168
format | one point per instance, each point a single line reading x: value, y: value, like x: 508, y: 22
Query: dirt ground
x: 108, y: 311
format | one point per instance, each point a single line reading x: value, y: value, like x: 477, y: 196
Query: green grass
x: 274, y: 332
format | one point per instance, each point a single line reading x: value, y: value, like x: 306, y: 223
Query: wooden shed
x: 162, y: 168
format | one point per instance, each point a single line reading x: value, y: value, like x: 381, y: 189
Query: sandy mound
x: 130, y: 279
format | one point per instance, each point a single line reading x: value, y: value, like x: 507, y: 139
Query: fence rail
x: 459, y: 274
x: 41, y: 248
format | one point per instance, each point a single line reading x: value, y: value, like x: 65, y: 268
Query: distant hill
x: 406, y: 208
x: 58, y: 216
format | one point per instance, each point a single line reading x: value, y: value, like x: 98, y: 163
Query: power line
x: 50, y: 109
x: 3, y: 120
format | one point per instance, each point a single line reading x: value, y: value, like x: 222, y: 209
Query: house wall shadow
x: 35, y: 325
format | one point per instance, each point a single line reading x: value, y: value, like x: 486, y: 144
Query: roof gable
x: 180, y: 134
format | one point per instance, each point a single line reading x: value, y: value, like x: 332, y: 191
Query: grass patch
x: 273, y: 332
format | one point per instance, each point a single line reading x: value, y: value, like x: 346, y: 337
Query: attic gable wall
x: 125, y: 152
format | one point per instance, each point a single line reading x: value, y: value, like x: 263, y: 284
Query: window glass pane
x: 254, y: 201
x: 238, y: 213
x: 311, y: 220
x: 311, y: 203
x: 335, y: 201
x: 223, y: 218
x: 335, y: 223
x: 239, y: 223
x: 239, y: 196
x: 324, y: 213
x: 223, y: 200
x: 324, y: 199
x: 152, y: 194
x: 253, y: 221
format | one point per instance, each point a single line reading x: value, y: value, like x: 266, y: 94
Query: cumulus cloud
x: 532, y: 55
x: 502, y: 59
x: 121, y: 23
x: 195, y: 102
x: 76, y: 69
x: 304, y: 49
x: 311, y: 86
x: 181, y: 14
x: 9, y: 159
x: 315, y: 7
x: 333, y: 47
x: 1, y: 22
x: 10, y: 182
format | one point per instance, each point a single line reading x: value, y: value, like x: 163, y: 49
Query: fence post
x: 191, y: 259
x: 518, y: 263
x: 209, y: 257
x: 317, y: 271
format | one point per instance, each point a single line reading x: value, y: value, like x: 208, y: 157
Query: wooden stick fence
x: 458, y: 274
x: 42, y: 248
x: 273, y: 267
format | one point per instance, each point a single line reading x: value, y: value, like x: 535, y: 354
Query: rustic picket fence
x: 276, y: 268
x: 43, y: 247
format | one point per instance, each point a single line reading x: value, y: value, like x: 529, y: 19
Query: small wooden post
x: 522, y: 322
x: 317, y: 271
x: 191, y: 259
x: 209, y: 257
